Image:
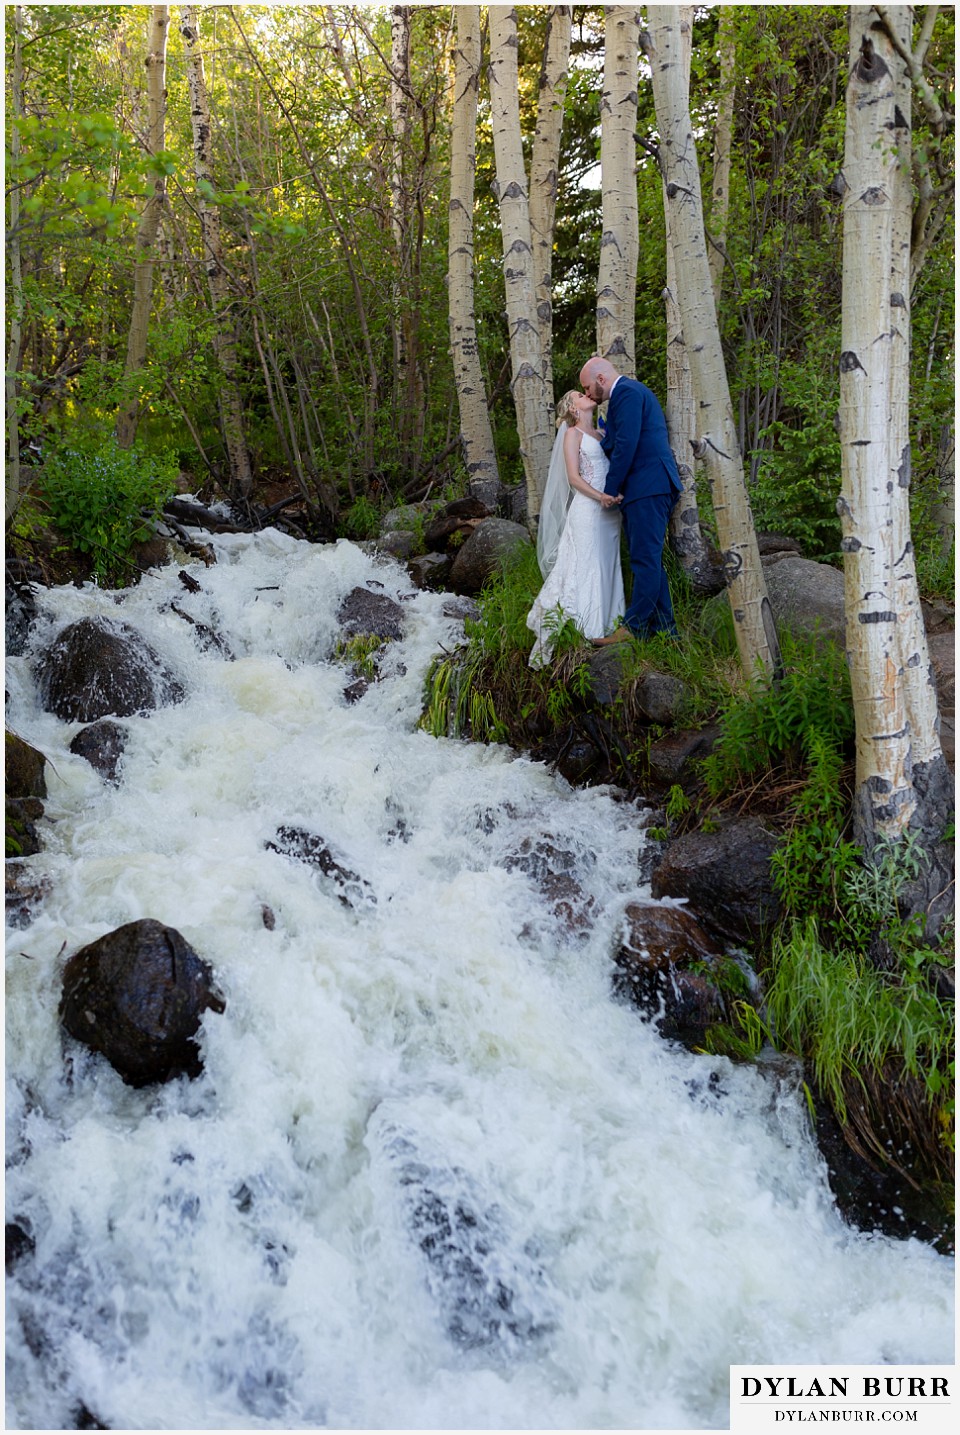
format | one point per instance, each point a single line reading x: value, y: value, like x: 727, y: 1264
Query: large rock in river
x: 491, y: 545
x: 370, y: 615
x: 25, y: 784
x: 97, y: 668
x: 102, y: 744
x: 726, y: 877
x: 665, y: 965
x: 137, y: 995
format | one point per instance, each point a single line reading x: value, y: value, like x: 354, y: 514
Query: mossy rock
x: 23, y: 769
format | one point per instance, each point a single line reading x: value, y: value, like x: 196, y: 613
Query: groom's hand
x: 609, y: 500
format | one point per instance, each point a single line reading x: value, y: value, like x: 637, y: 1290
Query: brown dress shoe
x: 619, y: 635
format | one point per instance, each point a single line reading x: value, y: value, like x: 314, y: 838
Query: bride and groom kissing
x: 594, y: 477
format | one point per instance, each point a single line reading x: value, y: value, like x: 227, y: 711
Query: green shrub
x: 766, y: 722
x: 798, y: 484
x: 362, y: 519
x: 105, y: 500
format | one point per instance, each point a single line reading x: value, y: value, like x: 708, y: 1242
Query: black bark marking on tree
x: 870, y: 67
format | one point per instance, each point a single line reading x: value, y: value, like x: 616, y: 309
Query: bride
x: 578, y: 538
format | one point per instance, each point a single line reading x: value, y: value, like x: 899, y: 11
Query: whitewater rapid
x: 433, y: 1174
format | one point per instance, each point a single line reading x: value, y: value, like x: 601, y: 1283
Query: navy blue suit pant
x: 650, y: 609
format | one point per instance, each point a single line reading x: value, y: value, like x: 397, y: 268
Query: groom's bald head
x: 596, y: 378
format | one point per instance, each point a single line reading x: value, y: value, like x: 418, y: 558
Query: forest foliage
x: 305, y: 164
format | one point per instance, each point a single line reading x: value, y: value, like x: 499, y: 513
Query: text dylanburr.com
x: 782, y: 1398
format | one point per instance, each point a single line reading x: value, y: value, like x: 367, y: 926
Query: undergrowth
x: 104, y: 500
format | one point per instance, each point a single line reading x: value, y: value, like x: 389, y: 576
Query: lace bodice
x: 593, y: 462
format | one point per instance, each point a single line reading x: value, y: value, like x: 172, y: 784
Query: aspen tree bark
x: 476, y: 432
x: 224, y: 340
x: 686, y: 538
x: 544, y: 167
x: 15, y: 288
x: 717, y: 441
x: 619, y: 243
x: 128, y: 417
x: 919, y: 680
x: 722, y: 146
x: 533, y: 403
x: 896, y: 786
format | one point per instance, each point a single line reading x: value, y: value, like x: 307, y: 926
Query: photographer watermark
x: 917, y: 1397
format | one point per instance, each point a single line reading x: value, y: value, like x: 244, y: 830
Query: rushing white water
x: 433, y: 1175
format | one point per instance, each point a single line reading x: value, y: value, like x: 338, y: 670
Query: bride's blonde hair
x: 566, y: 413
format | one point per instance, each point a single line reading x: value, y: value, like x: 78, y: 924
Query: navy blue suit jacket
x: 641, y: 459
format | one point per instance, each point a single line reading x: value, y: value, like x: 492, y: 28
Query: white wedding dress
x: 586, y: 581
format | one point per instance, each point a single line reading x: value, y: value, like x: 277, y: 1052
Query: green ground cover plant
x: 105, y: 500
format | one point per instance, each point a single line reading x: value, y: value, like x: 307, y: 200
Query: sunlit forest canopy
x: 332, y: 216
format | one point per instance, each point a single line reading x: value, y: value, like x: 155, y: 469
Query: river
x: 432, y: 1175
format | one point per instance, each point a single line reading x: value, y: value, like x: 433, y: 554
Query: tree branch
x: 937, y: 116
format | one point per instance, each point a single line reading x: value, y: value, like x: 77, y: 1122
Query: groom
x: 643, y: 478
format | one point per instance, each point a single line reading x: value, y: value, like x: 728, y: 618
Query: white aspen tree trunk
x: 15, y: 290
x: 224, y: 342
x: 717, y: 441
x: 544, y: 167
x: 619, y: 243
x: 476, y: 433
x: 901, y: 778
x: 686, y: 538
x: 722, y: 147
x: 533, y: 404
x: 126, y: 425
x: 918, y: 676
x: 885, y: 799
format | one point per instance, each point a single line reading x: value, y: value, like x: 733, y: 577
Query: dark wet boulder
x: 726, y: 877
x: 20, y: 610
x: 659, y: 697
x: 102, y: 744
x: 673, y: 758
x: 452, y: 525
x: 354, y: 691
x: 666, y: 965
x: 769, y: 543
x: 656, y: 697
x: 98, y: 668
x: 430, y: 570
x: 371, y: 615
x: 24, y: 893
x: 137, y: 995
x: 25, y: 785
x: 609, y: 670
x: 21, y: 835
x: 554, y: 870
x: 24, y: 768
x: 311, y: 849
x: 489, y: 548
x: 19, y: 1242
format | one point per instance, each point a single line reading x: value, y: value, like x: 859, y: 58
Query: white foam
x: 237, y: 1251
